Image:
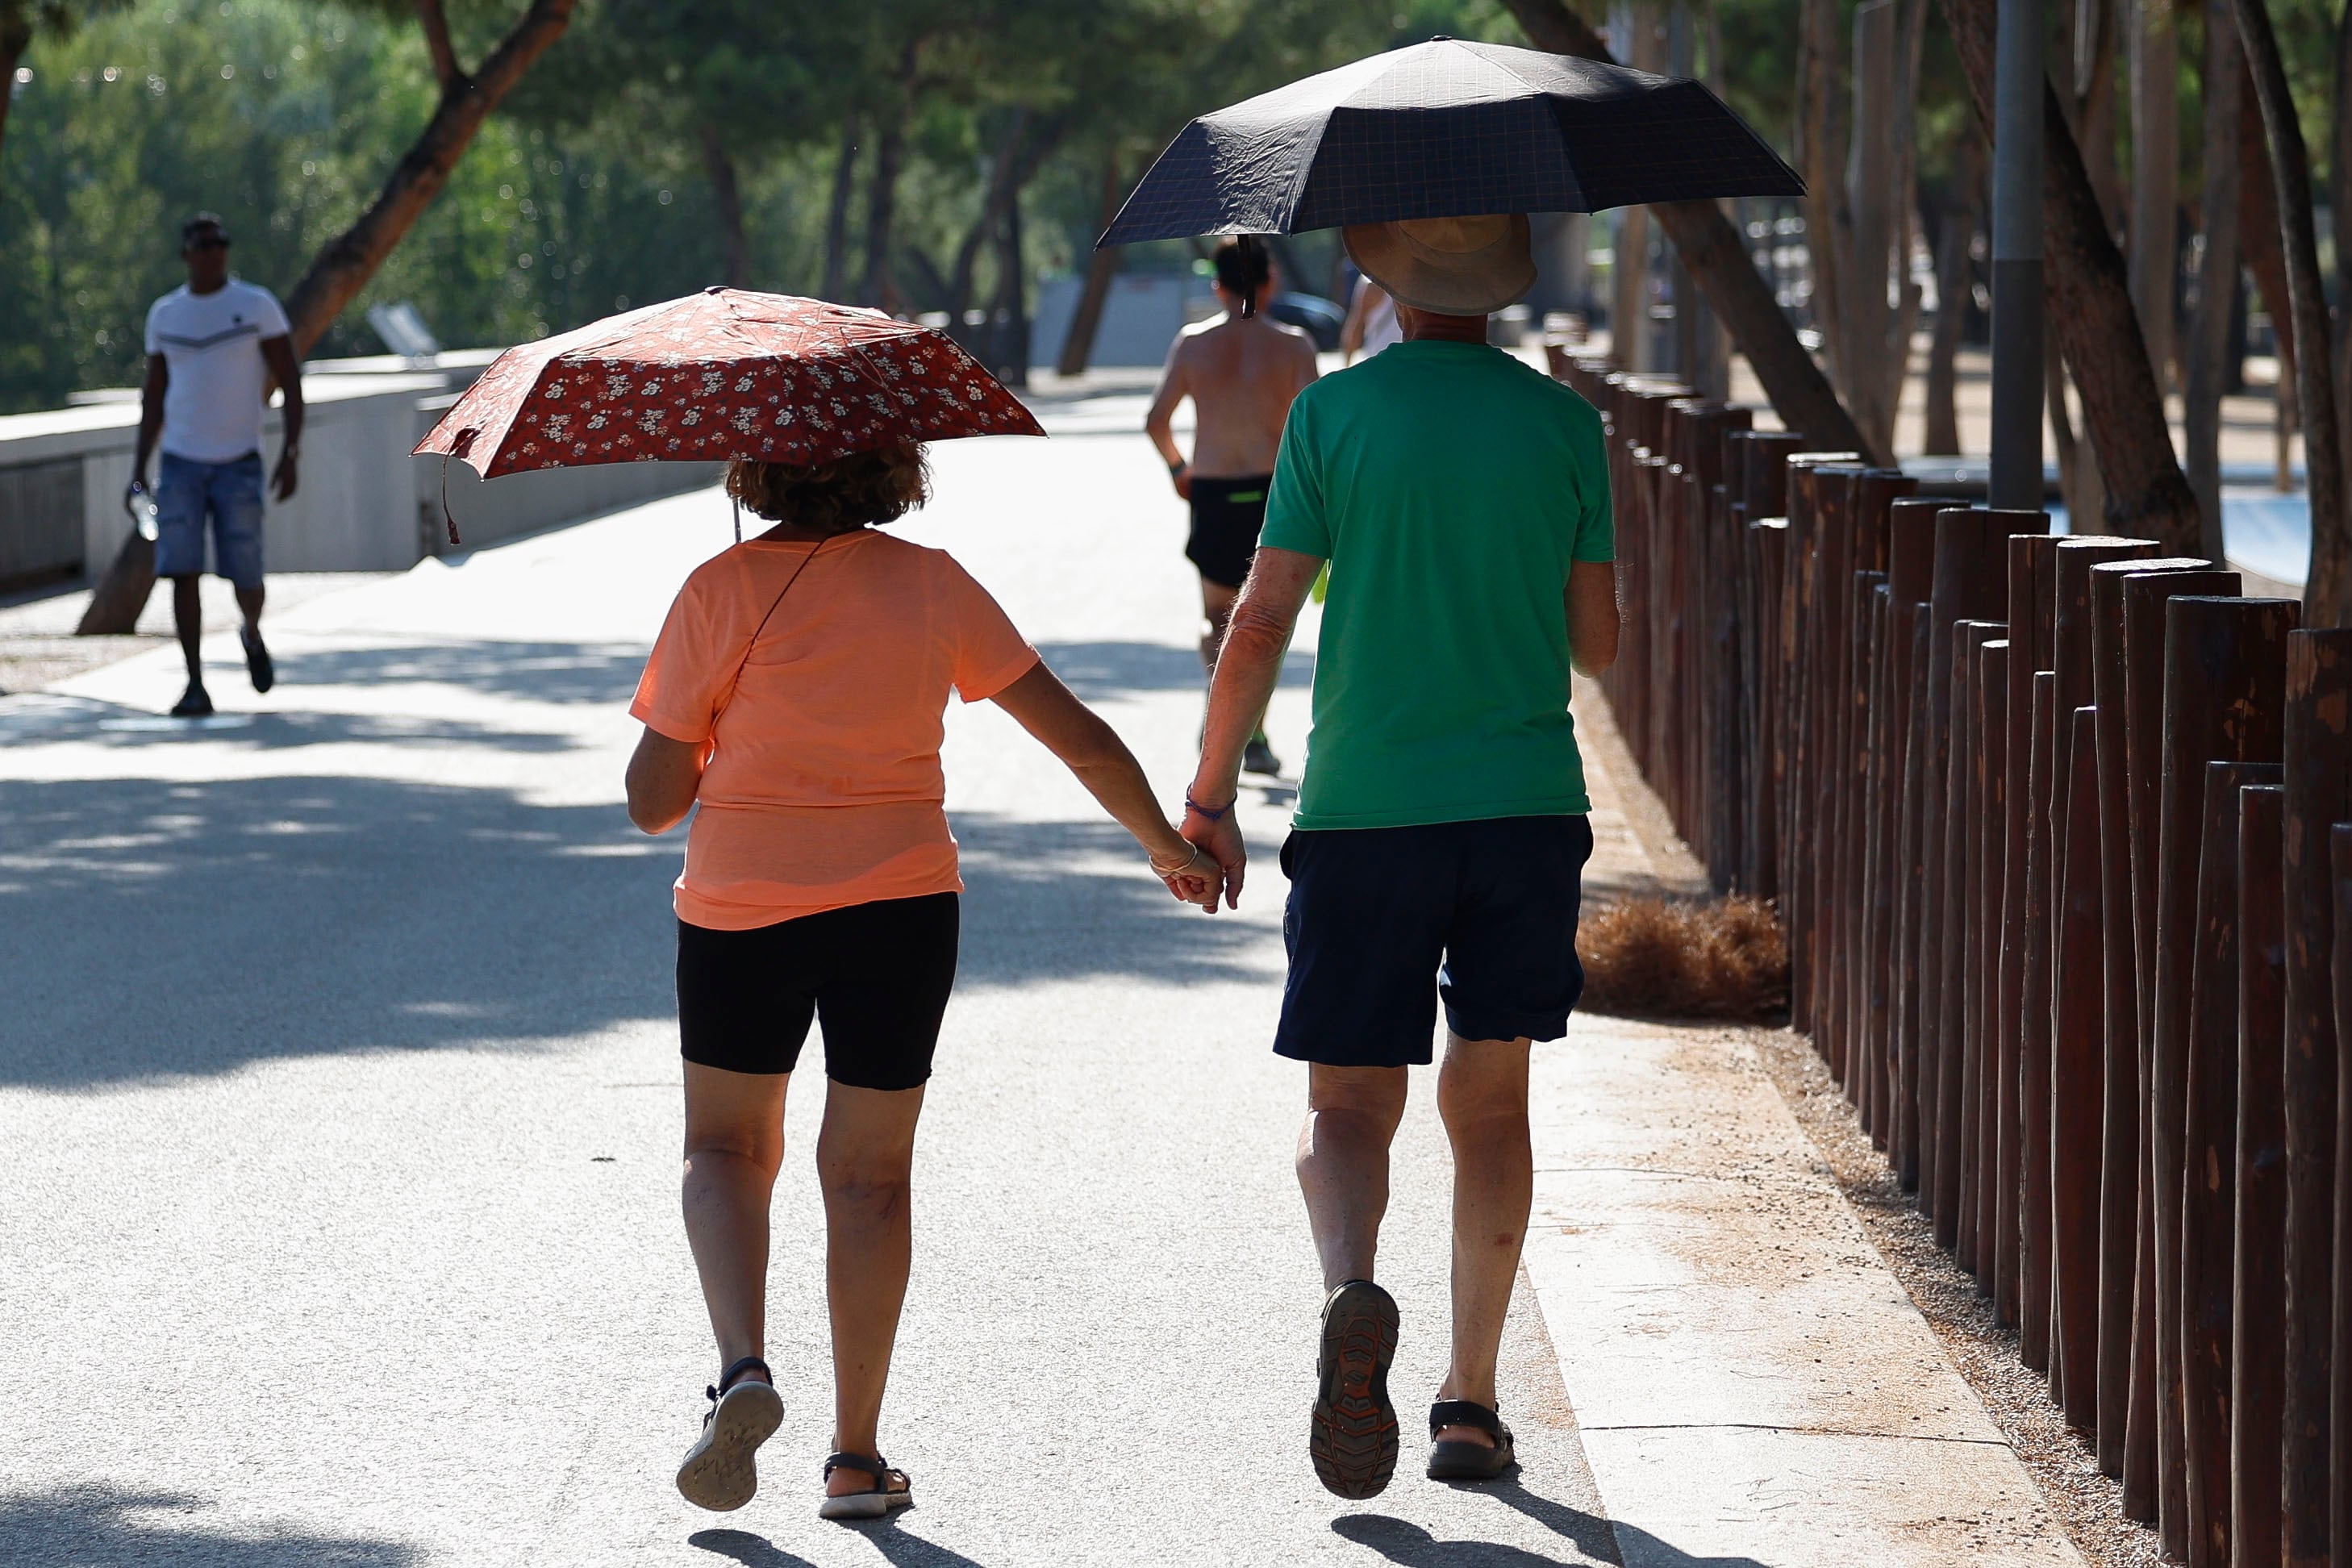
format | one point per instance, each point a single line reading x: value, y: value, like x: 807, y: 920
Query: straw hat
x: 1453, y: 266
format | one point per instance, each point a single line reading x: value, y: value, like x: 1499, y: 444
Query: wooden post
x: 2077, y: 1096
x: 2318, y: 741
x: 2078, y: 1057
x: 1962, y: 886
x: 2340, y: 964
x: 1969, y: 585
x: 2224, y: 692
x: 2208, y: 1215
x: 2258, y: 1264
x: 1997, y: 1144
x: 2121, y: 764
x: 2033, y: 1045
x: 1910, y: 581
x: 1767, y: 541
x: 1883, y: 762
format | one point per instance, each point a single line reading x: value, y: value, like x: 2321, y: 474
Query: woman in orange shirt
x: 796, y: 695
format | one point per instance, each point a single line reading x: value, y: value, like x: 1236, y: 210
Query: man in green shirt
x: 1462, y: 502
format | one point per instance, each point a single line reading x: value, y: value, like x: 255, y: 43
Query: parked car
x: 1318, y: 318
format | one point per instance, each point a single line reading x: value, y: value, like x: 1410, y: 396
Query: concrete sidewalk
x: 338, y: 1100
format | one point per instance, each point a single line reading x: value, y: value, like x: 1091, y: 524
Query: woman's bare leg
x: 864, y: 1157
x: 734, y: 1143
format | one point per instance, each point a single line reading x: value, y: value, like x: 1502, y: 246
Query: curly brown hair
x: 839, y: 497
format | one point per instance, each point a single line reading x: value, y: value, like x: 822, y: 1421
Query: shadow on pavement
x: 538, y: 672
x: 1594, y: 1538
x: 887, y: 1536
x: 1099, y: 670
x: 163, y: 928
x: 94, y: 1524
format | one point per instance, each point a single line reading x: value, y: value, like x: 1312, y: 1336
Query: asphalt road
x: 338, y: 1111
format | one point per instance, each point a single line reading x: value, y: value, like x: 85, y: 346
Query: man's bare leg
x: 1343, y: 1164
x: 188, y: 620
x: 1481, y: 1096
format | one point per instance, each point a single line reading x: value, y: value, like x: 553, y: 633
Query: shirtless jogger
x: 1241, y: 371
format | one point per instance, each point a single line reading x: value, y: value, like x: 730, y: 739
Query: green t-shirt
x: 1449, y: 485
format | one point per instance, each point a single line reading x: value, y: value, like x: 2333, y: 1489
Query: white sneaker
x: 718, y: 1472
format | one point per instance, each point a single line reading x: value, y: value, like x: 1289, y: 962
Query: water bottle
x: 142, y: 509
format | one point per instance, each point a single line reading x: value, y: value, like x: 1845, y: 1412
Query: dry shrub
x: 1652, y: 958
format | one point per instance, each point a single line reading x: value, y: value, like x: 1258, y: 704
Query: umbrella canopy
x: 723, y: 374
x: 1449, y: 129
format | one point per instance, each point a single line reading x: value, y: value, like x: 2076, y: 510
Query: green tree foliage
x: 596, y: 185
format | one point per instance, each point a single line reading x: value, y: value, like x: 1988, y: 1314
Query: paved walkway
x: 338, y: 1118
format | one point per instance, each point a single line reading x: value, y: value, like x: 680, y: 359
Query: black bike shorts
x: 876, y: 975
x: 1226, y: 517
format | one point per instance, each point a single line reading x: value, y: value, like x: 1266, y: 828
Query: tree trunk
x: 1102, y: 266
x: 2156, y: 176
x: 2327, y: 586
x: 2095, y: 26
x: 728, y: 193
x: 2258, y: 222
x: 836, y: 214
x: 2217, y: 275
x: 2091, y: 315
x: 1822, y: 81
x: 343, y: 267
x: 1012, y: 347
x: 1954, y: 278
x: 1629, y: 291
x: 1717, y: 255
x: 1017, y: 156
x: 15, y: 37
x: 2339, y: 186
x: 1866, y: 322
x: 881, y: 287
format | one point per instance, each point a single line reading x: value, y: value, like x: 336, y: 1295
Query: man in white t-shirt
x: 214, y: 348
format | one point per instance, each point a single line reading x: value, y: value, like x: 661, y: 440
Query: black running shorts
x: 1226, y: 516
x: 1383, y: 923
x: 876, y: 975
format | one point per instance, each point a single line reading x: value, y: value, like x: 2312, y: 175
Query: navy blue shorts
x: 1384, y: 921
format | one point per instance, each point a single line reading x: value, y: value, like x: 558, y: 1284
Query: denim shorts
x: 1383, y: 923
x: 188, y: 493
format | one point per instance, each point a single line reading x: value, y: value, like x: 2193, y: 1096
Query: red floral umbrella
x: 723, y: 374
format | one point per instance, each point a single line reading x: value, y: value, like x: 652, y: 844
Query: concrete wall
x: 364, y: 504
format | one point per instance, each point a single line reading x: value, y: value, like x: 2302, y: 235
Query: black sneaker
x: 194, y: 703
x: 1354, y: 1437
x: 257, y: 659
x: 1257, y: 757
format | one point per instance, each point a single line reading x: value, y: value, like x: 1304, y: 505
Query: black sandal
x: 1458, y: 1459
x: 875, y: 1501
x: 718, y: 1472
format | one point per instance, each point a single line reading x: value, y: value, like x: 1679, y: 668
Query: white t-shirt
x: 212, y: 345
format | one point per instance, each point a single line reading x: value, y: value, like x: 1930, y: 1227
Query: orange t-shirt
x: 822, y: 785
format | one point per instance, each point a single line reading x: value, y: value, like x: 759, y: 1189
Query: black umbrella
x: 1449, y: 129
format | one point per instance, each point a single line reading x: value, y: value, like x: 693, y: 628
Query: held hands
x: 1190, y: 877
x: 1221, y: 841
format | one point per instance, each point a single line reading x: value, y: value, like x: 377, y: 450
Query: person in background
x: 1461, y: 498
x: 215, y: 345
x: 1371, y: 323
x: 794, y: 703
x: 1240, y: 370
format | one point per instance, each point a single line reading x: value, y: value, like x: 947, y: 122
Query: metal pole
x: 2017, y: 366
